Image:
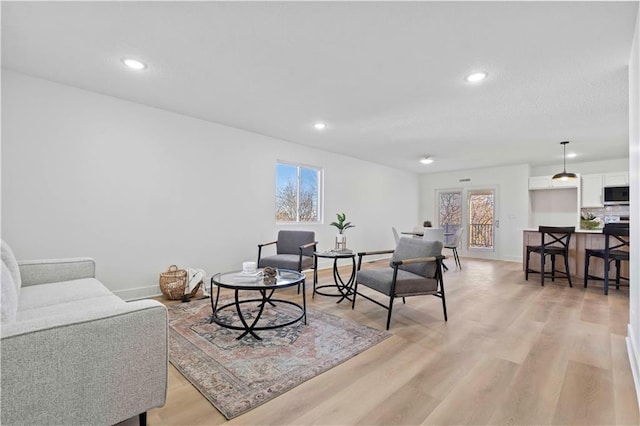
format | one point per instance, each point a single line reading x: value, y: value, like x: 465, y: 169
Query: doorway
x: 473, y: 209
x: 481, y: 212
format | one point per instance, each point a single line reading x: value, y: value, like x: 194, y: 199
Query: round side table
x: 345, y: 289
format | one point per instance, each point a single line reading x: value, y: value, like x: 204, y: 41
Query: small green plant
x: 589, y: 221
x: 587, y: 216
x: 341, y: 224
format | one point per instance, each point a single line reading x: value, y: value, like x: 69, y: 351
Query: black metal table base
x: 345, y: 289
x: 250, y: 329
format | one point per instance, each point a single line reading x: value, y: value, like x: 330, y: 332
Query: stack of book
x: 342, y: 251
x: 248, y: 276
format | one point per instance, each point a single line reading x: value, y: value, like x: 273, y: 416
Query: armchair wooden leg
x: 143, y: 419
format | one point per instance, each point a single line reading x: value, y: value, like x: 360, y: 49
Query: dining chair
x: 396, y: 236
x: 433, y: 234
x: 453, y: 245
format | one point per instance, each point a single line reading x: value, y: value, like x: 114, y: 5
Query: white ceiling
x: 387, y: 77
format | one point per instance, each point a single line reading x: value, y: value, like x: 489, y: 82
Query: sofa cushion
x: 10, y: 261
x: 9, y: 296
x: 63, y: 294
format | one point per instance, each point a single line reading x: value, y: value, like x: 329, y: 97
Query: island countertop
x: 577, y: 231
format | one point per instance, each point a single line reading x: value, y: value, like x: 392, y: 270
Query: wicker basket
x: 173, y: 282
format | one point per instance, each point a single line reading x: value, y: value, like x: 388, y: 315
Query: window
x: 298, y: 190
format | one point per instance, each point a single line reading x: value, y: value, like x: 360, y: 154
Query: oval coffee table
x: 232, y: 280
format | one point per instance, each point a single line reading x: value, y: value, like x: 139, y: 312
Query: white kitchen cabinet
x: 540, y: 182
x: 616, y: 179
x: 569, y: 183
x: 592, y: 190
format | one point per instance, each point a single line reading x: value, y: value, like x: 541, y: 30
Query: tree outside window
x: 450, y: 212
x: 298, y: 193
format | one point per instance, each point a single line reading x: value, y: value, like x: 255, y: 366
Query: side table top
x: 335, y: 254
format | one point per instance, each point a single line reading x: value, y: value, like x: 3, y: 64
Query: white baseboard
x: 147, y: 292
x: 138, y: 293
x: 632, y: 349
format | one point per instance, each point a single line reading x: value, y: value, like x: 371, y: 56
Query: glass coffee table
x: 263, y: 299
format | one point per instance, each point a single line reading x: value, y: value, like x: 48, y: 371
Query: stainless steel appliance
x: 616, y: 195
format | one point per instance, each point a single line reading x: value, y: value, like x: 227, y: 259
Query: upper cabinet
x: 616, y: 179
x: 540, y: 182
x: 545, y: 182
x: 592, y: 190
x: 569, y: 183
x: 592, y: 186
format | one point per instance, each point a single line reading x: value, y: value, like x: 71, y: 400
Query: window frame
x: 319, y: 192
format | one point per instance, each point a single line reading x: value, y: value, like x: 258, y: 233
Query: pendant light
x: 564, y: 175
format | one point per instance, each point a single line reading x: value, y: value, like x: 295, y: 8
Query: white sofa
x: 72, y: 352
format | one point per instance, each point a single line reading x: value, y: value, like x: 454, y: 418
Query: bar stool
x: 616, y: 238
x: 555, y: 242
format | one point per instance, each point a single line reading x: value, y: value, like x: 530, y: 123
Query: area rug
x: 239, y: 375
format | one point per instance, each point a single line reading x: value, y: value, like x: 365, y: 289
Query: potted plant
x: 589, y: 221
x: 341, y: 240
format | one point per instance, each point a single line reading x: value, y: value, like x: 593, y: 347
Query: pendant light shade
x: 564, y: 175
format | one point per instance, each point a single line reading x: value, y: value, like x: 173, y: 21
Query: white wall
x: 139, y: 188
x: 512, y: 203
x: 633, y: 336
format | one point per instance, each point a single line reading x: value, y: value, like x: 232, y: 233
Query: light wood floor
x: 512, y: 352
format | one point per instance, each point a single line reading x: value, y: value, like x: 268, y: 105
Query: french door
x: 481, y: 214
x: 473, y: 209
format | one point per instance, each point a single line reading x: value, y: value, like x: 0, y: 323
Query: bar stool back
x: 555, y: 242
x: 616, y: 239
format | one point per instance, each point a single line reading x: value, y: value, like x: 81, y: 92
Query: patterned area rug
x: 239, y: 375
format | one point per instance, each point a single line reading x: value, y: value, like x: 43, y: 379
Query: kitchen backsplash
x: 608, y: 214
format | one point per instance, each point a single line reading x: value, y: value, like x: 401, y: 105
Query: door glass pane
x: 481, y: 215
x: 450, y: 213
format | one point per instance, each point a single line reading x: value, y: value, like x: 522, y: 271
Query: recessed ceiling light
x: 426, y: 160
x: 134, y: 64
x: 476, y: 77
x: 572, y: 155
x: 320, y: 126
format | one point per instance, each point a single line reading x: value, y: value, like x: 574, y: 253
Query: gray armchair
x: 294, y: 250
x: 415, y: 269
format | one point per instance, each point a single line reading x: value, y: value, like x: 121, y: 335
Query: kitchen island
x: 580, y: 241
